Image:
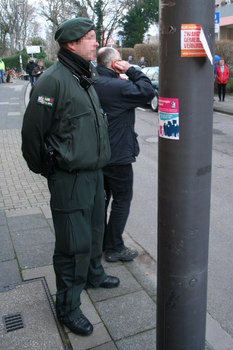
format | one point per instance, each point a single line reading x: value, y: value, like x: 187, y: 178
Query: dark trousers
x: 2, y: 76
x: 221, y: 91
x: 118, y: 185
x: 77, y: 205
x: 32, y: 79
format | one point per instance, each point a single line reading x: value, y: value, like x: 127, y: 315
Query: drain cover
x: 13, y: 322
x: 28, y: 318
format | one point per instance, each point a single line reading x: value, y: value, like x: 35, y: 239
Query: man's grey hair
x: 106, y: 55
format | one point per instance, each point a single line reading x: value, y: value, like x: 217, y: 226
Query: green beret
x: 73, y: 29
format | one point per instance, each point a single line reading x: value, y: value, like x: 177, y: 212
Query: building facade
x: 225, y: 9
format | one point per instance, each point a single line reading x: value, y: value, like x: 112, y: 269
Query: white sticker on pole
x: 169, y: 118
x: 193, y: 42
x: 206, y: 46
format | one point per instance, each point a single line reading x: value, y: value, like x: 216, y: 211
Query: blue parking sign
x: 217, y: 16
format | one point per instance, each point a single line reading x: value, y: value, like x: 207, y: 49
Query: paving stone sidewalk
x: 224, y: 107
x: 123, y: 318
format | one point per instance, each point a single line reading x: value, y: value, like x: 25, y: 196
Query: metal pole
x: 120, y: 44
x: 18, y: 35
x: 20, y: 59
x: 184, y: 178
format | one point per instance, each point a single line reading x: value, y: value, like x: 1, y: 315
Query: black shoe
x: 110, y: 282
x: 81, y: 325
x: 125, y: 254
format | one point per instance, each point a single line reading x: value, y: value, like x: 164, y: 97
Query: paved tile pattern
x: 128, y: 315
x: 19, y: 187
x: 31, y: 301
x: 144, y: 340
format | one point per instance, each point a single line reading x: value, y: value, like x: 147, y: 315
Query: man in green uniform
x: 65, y: 138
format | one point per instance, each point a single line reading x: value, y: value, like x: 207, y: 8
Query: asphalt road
x: 142, y: 223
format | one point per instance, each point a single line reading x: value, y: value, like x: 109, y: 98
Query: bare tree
x: 18, y: 19
x: 3, y: 36
x: 113, y: 11
x: 8, y: 24
x: 15, y: 16
x: 28, y: 20
x: 56, y: 11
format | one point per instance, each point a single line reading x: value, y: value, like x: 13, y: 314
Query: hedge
x: 13, y: 61
x: 229, y: 87
x: 150, y: 52
x: 126, y: 52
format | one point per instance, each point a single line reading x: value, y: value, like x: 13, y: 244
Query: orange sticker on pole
x: 191, y: 44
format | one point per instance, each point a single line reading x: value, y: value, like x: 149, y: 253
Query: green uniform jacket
x: 71, y: 117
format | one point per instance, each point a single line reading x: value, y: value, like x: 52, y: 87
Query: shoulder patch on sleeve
x: 45, y: 100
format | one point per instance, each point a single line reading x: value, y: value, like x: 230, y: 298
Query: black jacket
x: 30, y: 66
x: 119, y: 98
x: 38, y: 71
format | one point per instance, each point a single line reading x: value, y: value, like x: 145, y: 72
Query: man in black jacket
x: 29, y: 68
x: 119, y: 98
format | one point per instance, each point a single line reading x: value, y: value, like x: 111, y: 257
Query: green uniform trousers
x: 77, y: 205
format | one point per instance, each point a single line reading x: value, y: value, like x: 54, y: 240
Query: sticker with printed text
x: 169, y: 118
x: 191, y: 45
x: 194, y: 43
x: 45, y: 100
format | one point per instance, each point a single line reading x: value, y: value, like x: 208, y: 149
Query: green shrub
x: 13, y: 61
x: 224, y: 49
x: 48, y: 63
x: 230, y: 86
x: 149, y: 51
x: 126, y: 52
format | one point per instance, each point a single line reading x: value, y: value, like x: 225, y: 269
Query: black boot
x: 81, y: 325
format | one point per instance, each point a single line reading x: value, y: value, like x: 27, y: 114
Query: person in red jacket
x: 222, y: 75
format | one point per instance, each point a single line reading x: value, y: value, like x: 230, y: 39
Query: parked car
x: 153, y: 74
x: 124, y: 76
